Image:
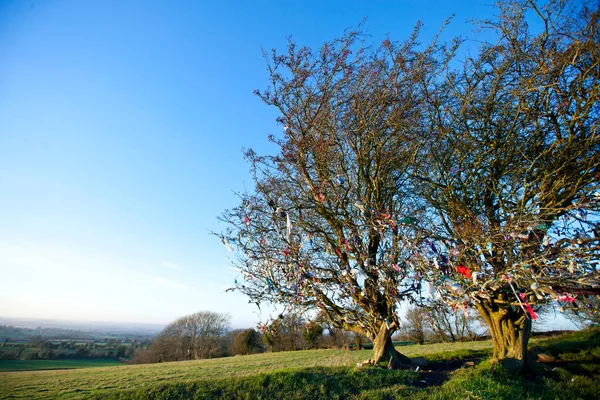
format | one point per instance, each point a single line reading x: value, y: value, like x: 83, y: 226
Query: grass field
x: 29, y: 365
x: 330, y: 374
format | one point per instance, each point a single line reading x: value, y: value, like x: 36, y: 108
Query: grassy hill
x: 458, y: 370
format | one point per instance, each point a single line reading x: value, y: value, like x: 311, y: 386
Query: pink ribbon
x: 528, y: 307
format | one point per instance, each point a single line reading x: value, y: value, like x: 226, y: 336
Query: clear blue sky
x: 121, y: 129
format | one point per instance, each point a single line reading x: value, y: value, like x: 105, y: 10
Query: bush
x: 247, y: 341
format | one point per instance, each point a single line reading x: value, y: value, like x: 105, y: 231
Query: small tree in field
x: 246, y: 341
x: 448, y: 324
x: 284, y: 333
x: 326, y: 224
x: 509, y: 165
x: 414, y: 328
x: 313, y: 334
x: 195, y: 336
x: 335, y: 337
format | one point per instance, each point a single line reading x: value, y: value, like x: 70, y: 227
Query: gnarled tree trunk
x: 384, y: 350
x: 509, y: 327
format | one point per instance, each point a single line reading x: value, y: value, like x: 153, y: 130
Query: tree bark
x: 384, y: 350
x: 509, y: 327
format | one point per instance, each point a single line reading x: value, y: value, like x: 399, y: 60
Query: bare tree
x: 323, y: 227
x: 415, y: 327
x: 205, y: 329
x: 450, y: 324
x: 192, y: 337
x: 335, y: 337
x: 509, y: 167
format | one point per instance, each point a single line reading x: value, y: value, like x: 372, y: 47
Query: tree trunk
x: 384, y: 350
x: 509, y: 327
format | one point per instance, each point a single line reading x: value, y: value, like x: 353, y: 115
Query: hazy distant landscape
x: 30, y: 344
x: 39, y: 326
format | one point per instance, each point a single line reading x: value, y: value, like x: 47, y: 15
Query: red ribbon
x: 338, y: 253
x: 528, y: 306
x: 566, y: 298
x: 464, y: 271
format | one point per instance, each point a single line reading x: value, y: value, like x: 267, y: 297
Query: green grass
x: 397, y: 343
x: 29, y: 365
x: 327, y: 374
x: 294, y: 383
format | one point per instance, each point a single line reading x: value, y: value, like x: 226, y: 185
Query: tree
x: 20, y: 350
x: 325, y: 224
x: 313, y: 333
x: 414, y: 328
x: 205, y: 329
x: 448, y: 324
x: 358, y: 340
x: 509, y: 166
x: 335, y: 337
x: 194, y: 336
x: 82, y: 351
x: 35, y: 341
x: 247, y: 341
x: 284, y: 333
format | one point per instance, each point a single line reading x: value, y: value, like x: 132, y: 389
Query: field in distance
x: 34, y: 365
x: 456, y: 370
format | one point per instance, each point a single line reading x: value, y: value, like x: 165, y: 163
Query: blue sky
x: 121, y: 129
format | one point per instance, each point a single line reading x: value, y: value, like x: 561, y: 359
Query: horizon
x: 546, y: 323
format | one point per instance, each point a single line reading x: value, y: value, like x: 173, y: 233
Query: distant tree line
x: 208, y: 334
x: 439, y: 323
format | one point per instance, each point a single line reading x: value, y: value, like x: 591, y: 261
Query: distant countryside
x: 58, y: 348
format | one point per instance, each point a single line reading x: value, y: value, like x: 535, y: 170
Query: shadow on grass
x: 578, y: 353
x: 574, y: 342
x: 442, y: 365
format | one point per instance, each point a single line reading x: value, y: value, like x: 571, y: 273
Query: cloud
x: 169, y: 283
x: 170, y: 265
